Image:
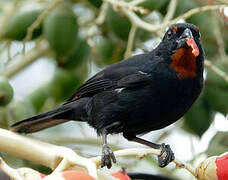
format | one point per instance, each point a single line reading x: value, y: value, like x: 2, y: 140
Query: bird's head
x: 182, y: 49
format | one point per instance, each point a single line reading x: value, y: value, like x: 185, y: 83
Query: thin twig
x: 122, y: 4
x: 40, y: 50
x: 153, y: 28
x: 141, y: 153
x: 136, y: 2
x: 216, y: 70
x: 196, y: 11
x: 223, y: 1
x: 130, y: 42
x: 103, y: 11
x: 171, y: 10
x: 39, y: 19
x: 219, y: 39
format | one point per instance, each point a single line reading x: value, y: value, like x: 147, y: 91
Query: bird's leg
x: 165, y: 149
x: 107, y: 154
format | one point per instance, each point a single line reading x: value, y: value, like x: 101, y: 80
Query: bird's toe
x: 107, y: 157
x: 166, y: 155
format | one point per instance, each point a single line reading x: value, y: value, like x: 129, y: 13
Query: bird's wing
x: 134, y: 80
x: 123, y: 74
x: 97, y: 85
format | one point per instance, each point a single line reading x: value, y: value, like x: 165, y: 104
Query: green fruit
x: 18, y: 24
x: 198, y: 119
x: 39, y: 96
x: 64, y: 84
x: 118, y: 24
x: 6, y: 91
x: 104, y: 50
x: 60, y: 28
x: 96, y: 3
x: 80, y: 55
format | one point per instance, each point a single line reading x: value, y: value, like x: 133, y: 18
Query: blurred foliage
x: 75, y: 46
x: 218, y: 144
x: 16, y: 28
x: 60, y: 29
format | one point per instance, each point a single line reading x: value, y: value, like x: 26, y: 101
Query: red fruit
x: 222, y: 167
x: 42, y: 175
x: 121, y: 175
x: 213, y: 168
x: 73, y: 175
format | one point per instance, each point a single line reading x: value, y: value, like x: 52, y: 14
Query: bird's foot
x: 107, y: 156
x: 169, y: 155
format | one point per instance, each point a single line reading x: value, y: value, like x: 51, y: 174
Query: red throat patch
x: 184, y: 63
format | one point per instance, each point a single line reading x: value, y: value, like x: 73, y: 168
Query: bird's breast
x: 184, y: 63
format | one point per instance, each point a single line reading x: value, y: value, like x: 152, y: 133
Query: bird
x: 140, y: 94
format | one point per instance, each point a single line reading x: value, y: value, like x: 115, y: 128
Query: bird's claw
x: 169, y: 157
x: 107, y: 157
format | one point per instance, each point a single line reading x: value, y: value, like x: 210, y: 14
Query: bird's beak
x: 187, y: 39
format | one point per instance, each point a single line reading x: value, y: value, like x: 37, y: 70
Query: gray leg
x: 165, y: 149
x: 107, y: 154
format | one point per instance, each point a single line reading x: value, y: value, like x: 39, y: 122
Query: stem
x: 141, y: 153
x: 39, y: 20
x: 56, y: 157
x: 130, y: 42
x: 40, y: 50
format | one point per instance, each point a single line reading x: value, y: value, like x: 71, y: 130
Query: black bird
x: 140, y: 94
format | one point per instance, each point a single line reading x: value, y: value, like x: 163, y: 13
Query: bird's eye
x: 169, y: 34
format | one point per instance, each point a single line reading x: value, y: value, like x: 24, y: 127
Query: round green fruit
x: 60, y: 29
x: 64, y: 84
x: 80, y: 55
x: 6, y: 91
x: 104, y: 50
x: 39, y: 96
x: 17, y: 25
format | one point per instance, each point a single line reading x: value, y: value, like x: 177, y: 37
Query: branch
x: 56, y: 157
x: 102, y: 14
x: 127, y: 5
x: 141, y: 153
x: 155, y: 28
x: 130, y: 42
x: 171, y: 10
x: 38, y: 51
x: 136, y: 2
x: 196, y: 11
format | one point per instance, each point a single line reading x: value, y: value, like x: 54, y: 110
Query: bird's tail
x: 64, y: 113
